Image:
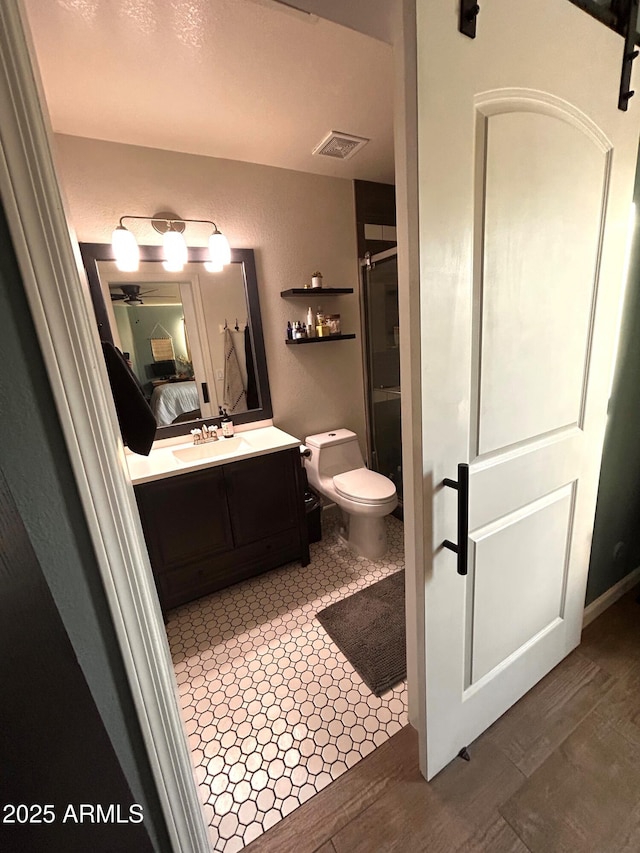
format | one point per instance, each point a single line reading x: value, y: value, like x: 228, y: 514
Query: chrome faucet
x: 204, y: 434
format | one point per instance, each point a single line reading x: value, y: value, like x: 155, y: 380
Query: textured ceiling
x: 239, y: 79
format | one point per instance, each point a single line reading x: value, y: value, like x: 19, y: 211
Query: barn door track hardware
x: 469, y: 10
x: 630, y: 53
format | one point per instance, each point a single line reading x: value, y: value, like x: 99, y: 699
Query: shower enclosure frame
x: 366, y: 264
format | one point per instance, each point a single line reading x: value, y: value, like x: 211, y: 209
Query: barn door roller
x: 469, y: 10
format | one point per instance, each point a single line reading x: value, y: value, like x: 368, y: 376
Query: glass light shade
x: 219, y: 249
x: 169, y: 267
x: 125, y: 249
x: 211, y: 267
x: 175, y: 251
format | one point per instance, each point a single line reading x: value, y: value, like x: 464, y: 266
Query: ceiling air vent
x: 342, y: 146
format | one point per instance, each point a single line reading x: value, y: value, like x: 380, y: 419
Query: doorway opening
x: 276, y: 764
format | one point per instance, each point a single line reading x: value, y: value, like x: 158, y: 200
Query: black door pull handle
x: 461, y: 485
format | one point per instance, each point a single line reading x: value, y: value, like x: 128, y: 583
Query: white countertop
x: 168, y: 459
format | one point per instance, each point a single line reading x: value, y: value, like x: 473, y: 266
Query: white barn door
x: 526, y: 171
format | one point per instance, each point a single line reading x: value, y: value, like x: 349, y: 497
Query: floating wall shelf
x: 316, y: 291
x: 319, y: 340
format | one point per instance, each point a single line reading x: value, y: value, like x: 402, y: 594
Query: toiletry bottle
x: 227, y: 425
x: 289, y: 330
x: 311, y: 326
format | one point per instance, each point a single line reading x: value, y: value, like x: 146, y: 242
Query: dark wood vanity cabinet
x: 211, y: 528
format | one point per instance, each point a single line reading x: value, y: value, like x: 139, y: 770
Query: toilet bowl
x: 336, y: 469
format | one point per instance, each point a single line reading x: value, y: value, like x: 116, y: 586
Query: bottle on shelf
x: 311, y: 326
x: 322, y: 329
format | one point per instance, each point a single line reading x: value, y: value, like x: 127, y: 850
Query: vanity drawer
x: 183, y: 584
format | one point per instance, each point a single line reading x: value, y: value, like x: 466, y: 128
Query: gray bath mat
x: 368, y: 628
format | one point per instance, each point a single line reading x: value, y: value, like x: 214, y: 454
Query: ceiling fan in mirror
x: 130, y: 295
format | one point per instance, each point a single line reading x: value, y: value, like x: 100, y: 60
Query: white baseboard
x: 593, y: 610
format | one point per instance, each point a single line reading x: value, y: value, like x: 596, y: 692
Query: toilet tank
x: 332, y: 453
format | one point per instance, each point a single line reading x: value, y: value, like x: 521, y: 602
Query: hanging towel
x: 235, y: 396
x: 253, y: 401
x: 137, y: 422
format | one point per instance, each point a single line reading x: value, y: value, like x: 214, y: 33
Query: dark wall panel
x: 54, y: 748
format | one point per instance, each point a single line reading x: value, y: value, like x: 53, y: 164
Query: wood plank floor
x: 558, y: 772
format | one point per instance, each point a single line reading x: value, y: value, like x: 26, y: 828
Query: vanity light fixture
x: 126, y: 249
x: 127, y: 252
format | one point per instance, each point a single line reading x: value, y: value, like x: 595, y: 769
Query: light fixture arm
x: 203, y: 222
x: 169, y: 220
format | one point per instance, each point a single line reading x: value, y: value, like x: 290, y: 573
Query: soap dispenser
x: 226, y: 424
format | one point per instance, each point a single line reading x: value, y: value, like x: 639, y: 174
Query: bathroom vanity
x: 219, y: 513
x: 216, y: 513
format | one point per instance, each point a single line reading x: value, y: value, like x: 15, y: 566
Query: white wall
x: 295, y: 222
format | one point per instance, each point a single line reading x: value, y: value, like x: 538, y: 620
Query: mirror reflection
x: 152, y: 335
x: 189, y: 337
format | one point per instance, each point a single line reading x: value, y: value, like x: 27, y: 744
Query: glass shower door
x: 382, y: 358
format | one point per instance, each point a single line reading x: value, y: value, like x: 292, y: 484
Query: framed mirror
x: 193, y: 339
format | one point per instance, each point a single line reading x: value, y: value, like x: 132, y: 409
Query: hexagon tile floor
x: 273, y: 710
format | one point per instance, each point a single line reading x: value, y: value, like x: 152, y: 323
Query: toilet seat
x: 364, y: 486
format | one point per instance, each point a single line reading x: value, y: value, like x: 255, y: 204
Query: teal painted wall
x: 616, y: 537
x: 34, y: 459
x: 137, y: 323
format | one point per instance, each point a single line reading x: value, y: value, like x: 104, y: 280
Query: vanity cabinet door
x: 263, y: 496
x: 185, y: 518
x: 212, y: 528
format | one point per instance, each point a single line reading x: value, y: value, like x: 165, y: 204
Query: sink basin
x: 169, y: 460
x: 212, y: 450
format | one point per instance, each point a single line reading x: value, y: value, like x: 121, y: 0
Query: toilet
x: 336, y: 469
